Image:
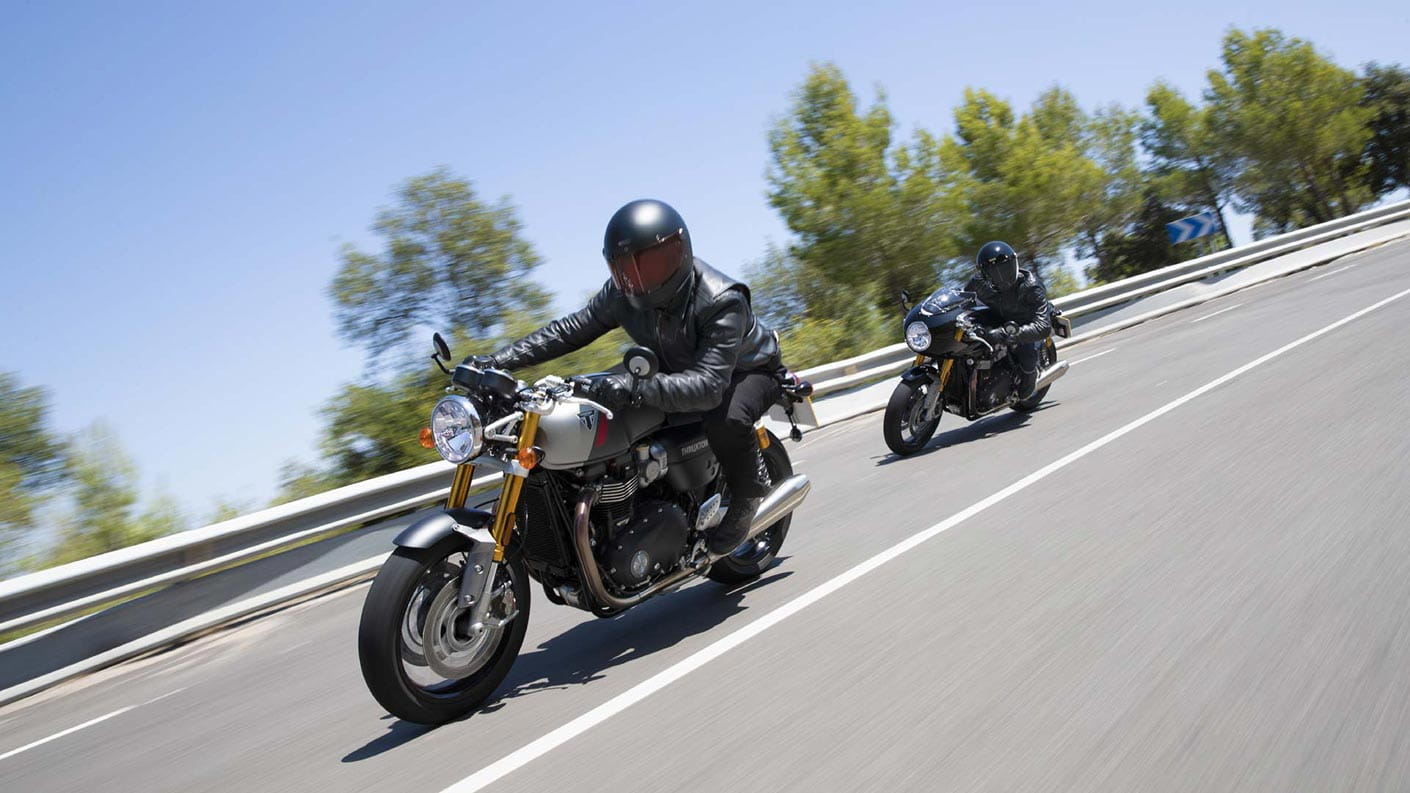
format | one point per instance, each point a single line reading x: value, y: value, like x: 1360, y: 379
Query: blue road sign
x: 1191, y: 227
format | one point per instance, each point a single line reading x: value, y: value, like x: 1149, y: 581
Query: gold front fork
x: 509, y: 491
x: 460, y: 487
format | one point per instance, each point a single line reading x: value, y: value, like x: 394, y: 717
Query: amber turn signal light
x: 426, y: 438
x: 528, y: 458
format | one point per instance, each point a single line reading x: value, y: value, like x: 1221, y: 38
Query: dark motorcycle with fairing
x: 603, y: 509
x: 957, y: 370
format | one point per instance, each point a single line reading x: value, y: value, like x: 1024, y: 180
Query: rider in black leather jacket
x: 716, y: 357
x: 1018, y: 297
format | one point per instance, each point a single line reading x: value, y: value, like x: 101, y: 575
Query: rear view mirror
x: 905, y: 300
x: 442, y: 354
x: 641, y: 362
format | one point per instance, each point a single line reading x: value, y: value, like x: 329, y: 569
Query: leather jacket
x: 1025, y: 304
x: 703, y: 336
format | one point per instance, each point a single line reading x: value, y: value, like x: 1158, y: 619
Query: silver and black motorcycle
x: 602, y: 508
x: 957, y: 370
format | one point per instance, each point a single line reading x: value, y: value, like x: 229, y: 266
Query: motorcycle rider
x: 716, y: 357
x: 1018, y: 297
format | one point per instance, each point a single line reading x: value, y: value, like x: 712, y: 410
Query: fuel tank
x: 575, y: 433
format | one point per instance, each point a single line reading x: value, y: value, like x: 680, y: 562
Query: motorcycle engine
x: 994, y: 386
x: 647, y: 545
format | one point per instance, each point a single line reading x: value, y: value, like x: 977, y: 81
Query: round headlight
x: 457, y: 429
x: 918, y: 336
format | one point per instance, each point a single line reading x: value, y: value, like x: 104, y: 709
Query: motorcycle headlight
x: 457, y: 430
x: 918, y: 336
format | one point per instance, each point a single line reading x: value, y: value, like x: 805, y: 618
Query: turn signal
x: 528, y: 458
x: 426, y: 438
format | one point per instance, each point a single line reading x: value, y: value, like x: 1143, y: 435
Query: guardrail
x: 54, y: 594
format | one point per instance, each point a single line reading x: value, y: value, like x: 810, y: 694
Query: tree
x: 1297, y: 124
x: 865, y: 210
x: 1187, y: 157
x: 1110, y: 137
x: 32, y: 457
x: 450, y: 261
x: 1144, y: 246
x: 1026, y: 181
x: 1387, y: 153
x: 104, y: 496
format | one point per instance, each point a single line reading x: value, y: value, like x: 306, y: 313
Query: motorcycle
x: 957, y: 370
x: 603, y: 508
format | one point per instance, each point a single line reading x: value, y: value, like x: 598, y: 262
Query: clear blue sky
x: 176, y: 178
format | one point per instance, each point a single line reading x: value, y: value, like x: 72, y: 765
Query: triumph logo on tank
x: 587, y: 417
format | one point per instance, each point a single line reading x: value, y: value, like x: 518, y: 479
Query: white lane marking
x: 1333, y: 272
x: 56, y: 736
x: 1215, y: 314
x: 521, y: 757
x: 1090, y: 357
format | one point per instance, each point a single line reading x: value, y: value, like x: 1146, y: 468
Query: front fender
x: 433, y: 528
x: 919, y: 374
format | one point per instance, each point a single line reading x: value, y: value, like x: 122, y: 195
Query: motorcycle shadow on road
x: 585, y: 652
x: 987, y: 427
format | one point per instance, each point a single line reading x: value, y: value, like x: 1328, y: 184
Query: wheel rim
x: 441, y: 653
x: 915, y: 424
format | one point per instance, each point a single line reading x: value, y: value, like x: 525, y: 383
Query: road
x: 1184, y: 573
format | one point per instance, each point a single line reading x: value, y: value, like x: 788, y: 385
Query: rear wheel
x: 1047, y: 356
x: 750, y: 560
x: 905, y: 426
x: 420, y: 657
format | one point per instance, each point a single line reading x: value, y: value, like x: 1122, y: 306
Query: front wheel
x: 750, y: 560
x: 905, y: 426
x: 1046, y: 358
x: 420, y: 657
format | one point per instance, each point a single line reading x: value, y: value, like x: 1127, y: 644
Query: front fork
x: 477, y: 580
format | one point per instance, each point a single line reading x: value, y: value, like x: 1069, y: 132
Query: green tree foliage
x: 1143, y: 246
x: 1110, y: 138
x: 1387, y: 154
x: 104, y: 496
x: 865, y: 209
x: 32, y: 457
x: 1026, y: 180
x: 1297, y: 125
x: 1189, y: 163
x: 449, y: 260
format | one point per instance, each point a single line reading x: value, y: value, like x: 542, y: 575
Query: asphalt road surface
x: 1189, y: 571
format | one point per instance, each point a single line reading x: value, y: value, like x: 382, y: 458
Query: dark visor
x: 646, y: 271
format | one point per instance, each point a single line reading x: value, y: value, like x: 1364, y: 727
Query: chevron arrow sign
x: 1191, y: 227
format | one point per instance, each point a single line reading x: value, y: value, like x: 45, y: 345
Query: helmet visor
x: 1001, y: 271
x: 645, y: 271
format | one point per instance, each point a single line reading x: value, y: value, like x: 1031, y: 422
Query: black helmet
x: 997, y: 264
x: 647, y: 247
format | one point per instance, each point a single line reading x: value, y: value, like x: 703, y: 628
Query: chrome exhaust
x: 778, y: 504
x: 1047, y: 376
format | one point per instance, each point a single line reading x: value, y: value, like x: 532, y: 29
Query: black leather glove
x: 613, y: 391
x: 1001, y: 335
x: 482, y: 362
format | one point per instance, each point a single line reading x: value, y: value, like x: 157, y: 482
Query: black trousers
x: 1026, y: 355
x: 730, y: 429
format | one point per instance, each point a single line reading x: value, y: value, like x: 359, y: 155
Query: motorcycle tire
x: 380, y: 641
x: 897, y: 420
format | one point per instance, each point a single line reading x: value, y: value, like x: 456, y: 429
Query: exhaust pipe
x: 778, y: 504
x: 1047, y: 376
